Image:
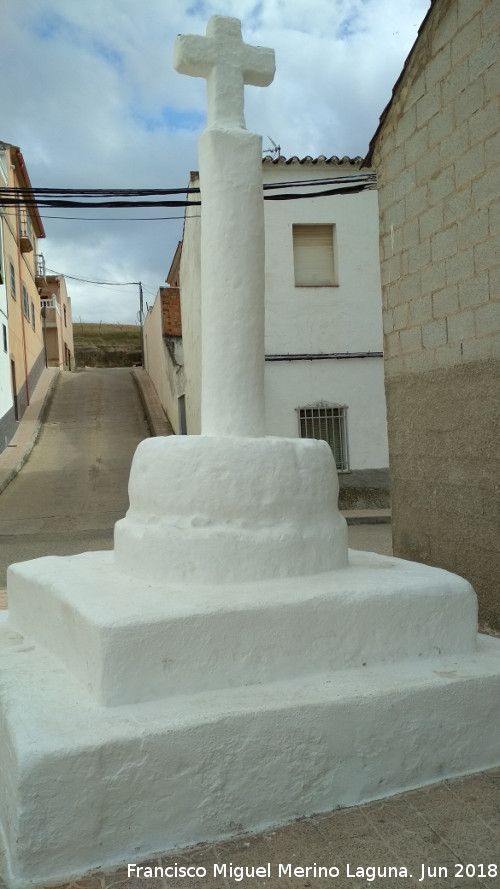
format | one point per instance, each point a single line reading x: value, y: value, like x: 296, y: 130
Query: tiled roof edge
x: 311, y: 161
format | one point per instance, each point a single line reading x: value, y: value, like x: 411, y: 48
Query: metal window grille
x: 3, y: 164
x: 327, y: 423
x: 12, y: 281
x: 26, y: 303
x: 39, y: 265
x: 25, y: 227
x: 33, y: 315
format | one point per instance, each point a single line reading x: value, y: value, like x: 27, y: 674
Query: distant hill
x: 107, y: 345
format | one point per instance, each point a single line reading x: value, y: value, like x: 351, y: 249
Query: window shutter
x: 313, y: 255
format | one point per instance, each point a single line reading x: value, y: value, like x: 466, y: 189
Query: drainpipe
x: 44, y: 318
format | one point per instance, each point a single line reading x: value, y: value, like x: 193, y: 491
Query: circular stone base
x: 222, y: 510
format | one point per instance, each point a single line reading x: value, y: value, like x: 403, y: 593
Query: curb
x: 376, y: 517
x: 10, y: 473
x: 157, y: 420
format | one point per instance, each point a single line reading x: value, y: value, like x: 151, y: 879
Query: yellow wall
x: 25, y: 340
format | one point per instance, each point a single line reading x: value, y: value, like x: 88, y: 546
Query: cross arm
x: 193, y: 55
x: 258, y: 65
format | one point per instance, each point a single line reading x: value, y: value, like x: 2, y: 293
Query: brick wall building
x: 171, y: 311
x: 436, y: 153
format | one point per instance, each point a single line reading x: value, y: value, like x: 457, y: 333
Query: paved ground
x: 447, y: 836
x: 73, y: 487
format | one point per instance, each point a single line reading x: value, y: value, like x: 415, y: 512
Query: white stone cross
x: 232, y: 230
x: 227, y: 63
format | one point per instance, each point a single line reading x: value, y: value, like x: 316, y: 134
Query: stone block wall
x: 437, y: 154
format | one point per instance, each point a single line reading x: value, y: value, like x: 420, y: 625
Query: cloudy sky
x: 90, y: 96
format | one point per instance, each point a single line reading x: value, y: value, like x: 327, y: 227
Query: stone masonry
x: 437, y: 153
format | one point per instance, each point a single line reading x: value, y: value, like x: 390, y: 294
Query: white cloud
x: 90, y: 96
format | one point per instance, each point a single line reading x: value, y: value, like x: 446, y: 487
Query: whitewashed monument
x: 227, y: 667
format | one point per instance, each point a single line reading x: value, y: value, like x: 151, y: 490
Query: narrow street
x: 73, y: 488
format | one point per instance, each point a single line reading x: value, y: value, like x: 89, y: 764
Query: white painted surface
x: 190, y: 275
x: 342, y: 318
x: 357, y: 383
x: 232, y: 283
x: 129, y: 641
x: 167, y: 375
x: 232, y: 229
x: 345, y: 318
x: 215, y: 510
x: 151, y: 777
x: 164, y: 695
x: 227, y: 63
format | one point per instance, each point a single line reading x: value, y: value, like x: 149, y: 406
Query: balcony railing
x: 25, y: 233
x: 39, y: 267
x: 50, y: 302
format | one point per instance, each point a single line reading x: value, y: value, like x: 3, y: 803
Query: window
x: 3, y: 165
x: 181, y: 403
x: 314, y: 255
x: 65, y: 317
x: 33, y: 315
x: 26, y: 303
x: 12, y: 281
x: 327, y: 422
x: 4, y: 331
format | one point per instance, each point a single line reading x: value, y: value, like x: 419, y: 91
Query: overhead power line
x: 88, y: 281
x: 128, y: 198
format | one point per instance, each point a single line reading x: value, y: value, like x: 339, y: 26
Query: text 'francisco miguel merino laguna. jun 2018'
x: 285, y: 870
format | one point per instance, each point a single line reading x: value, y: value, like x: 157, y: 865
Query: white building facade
x: 324, y: 363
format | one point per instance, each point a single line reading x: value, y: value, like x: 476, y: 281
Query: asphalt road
x: 73, y: 488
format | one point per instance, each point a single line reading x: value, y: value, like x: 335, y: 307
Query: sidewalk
x: 158, y: 422
x: 20, y: 446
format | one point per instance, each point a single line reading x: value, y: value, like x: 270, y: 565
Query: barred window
x: 26, y: 303
x: 12, y: 281
x: 3, y: 165
x: 327, y: 422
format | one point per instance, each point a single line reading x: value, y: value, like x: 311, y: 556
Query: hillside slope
x: 107, y: 345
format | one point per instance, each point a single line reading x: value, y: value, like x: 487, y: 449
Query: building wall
x: 25, y: 335
x: 309, y: 320
x: 344, y: 318
x: 57, y: 326
x: 190, y: 283
x: 7, y: 417
x: 356, y: 383
x: 162, y: 360
x: 436, y: 154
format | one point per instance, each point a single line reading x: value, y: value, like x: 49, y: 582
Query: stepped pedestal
x: 227, y: 667
x: 141, y: 714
